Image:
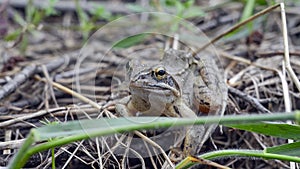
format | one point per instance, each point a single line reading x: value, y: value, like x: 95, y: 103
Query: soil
x: 51, y: 50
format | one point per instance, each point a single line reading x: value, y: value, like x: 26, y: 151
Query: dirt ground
x: 50, y: 50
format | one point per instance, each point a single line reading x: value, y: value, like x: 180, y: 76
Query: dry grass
x: 258, y: 68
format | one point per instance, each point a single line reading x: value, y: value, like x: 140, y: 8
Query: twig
x: 28, y: 102
x: 55, y: 64
x: 29, y: 116
x: 14, y: 144
x: 286, y: 49
x: 29, y: 71
x: 268, y: 54
x: 72, y: 154
x: 7, y: 138
x: 243, y: 60
x: 17, y: 81
x: 286, y: 61
x: 73, y: 73
x: 71, y: 110
x: 71, y: 92
x: 253, y: 101
x: 46, y: 74
x: 246, y: 61
x: 236, y: 27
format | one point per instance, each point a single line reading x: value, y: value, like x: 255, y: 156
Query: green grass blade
x: 248, y: 10
x: 105, y: 126
x: 237, y: 153
x: 130, y: 41
x: 282, y: 130
x: 20, y: 159
x: 61, y: 134
x: 292, y: 149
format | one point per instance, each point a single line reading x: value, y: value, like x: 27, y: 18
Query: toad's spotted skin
x: 178, y: 85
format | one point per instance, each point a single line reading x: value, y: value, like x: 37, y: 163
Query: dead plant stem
x: 237, y: 26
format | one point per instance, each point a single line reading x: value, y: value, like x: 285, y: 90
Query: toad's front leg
x: 194, y: 138
x: 124, y: 107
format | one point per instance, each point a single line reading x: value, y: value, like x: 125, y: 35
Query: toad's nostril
x: 142, y: 77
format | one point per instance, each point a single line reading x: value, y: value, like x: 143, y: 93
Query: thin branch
x: 29, y: 71
x: 29, y: 116
x: 253, y: 101
x: 286, y: 96
x: 17, y: 81
x: 71, y: 92
x: 13, y: 144
x: 237, y: 26
x: 286, y: 49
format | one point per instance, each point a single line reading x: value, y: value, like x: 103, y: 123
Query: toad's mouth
x: 155, y: 88
x: 148, y: 87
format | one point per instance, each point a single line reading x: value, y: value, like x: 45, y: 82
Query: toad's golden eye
x: 160, y: 73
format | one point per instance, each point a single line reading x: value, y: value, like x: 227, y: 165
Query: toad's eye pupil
x: 161, y: 72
